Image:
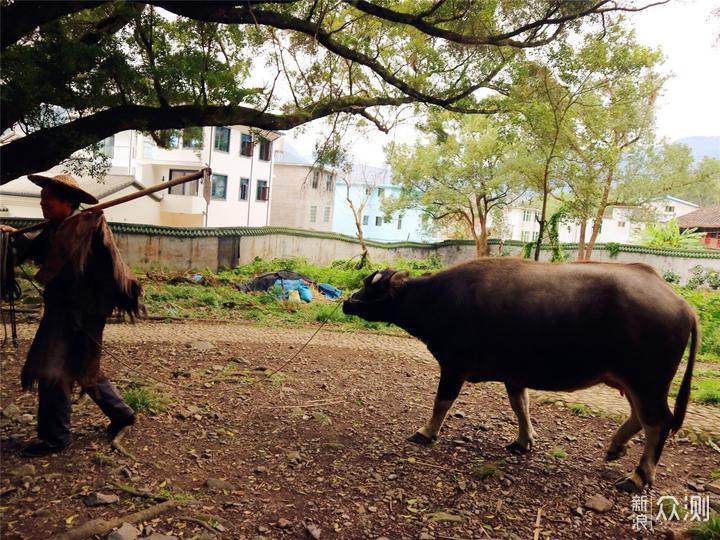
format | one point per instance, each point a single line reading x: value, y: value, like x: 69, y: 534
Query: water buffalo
x: 549, y: 327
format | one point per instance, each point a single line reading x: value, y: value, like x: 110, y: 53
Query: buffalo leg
x: 618, y: 444
x: 656, y: 419
x: 447, y: 392
x: 521, y: 406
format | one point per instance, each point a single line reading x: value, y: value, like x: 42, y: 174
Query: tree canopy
x: 460, y: 173
x: 76, y: 72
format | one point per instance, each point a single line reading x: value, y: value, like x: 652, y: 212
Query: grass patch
x: 217, y: 298
x: 487, y: 470
x: 705, y: 386
x: 708, y: 391
x: 706, y: 530
x: 714, y: 475
x: 558, y: 453
x: 143, y: 399
x: 579, y: 409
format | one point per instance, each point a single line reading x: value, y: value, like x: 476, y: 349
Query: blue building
x: 371, y: 185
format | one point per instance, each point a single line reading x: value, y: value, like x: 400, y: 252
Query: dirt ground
x: 319, y: 448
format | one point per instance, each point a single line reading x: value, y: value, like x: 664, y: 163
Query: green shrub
x: 698, y: 277
x: 143, y: 399
x: 671, y: 277
x: 707, y: 306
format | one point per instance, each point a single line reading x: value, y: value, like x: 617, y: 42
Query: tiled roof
x: 214, y: 232
x: 707, y: 217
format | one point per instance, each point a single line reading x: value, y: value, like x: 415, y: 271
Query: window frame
x: 265, y: 143
x: 261, y: 189
x: 313, y: 213
x: 216, y: 131
x: 245, y: 144
x: 246, y: 183
x: 186, y: 185
x: 212, y: 187
x: 378, y: 221
x: 326, y: 214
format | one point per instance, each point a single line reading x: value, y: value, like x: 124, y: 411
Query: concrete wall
x: 166, y: 252
x: 183, y: 253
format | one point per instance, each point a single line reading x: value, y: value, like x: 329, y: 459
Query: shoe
x: 116, y: 427
x: 42, y: 448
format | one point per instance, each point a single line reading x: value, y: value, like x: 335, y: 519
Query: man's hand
x: 7, y: 228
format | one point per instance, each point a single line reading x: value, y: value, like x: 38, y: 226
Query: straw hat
x: 65, y: 182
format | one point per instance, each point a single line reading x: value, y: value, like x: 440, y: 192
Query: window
x: 670, y: 209
x: 246, y: 145
x: 222, y: 139
x: 109, y: 146
x: 263, y: 191
x: 535, y: 235
x: 316, y: 179
x: 526, y: 215
x: 366, y: 219
x: 313, y: 214
x: 328, y: 182
x: 621, y: 224
x: 265, y: 149
x: 368, y: 191
x: 148, y: 150
x: 188, y: 188
x: 244, y: 187
x: 525, y: 236
x: 219, y: 187
x: 378, y: 221
x: 381, y: 193
x: 399, y: 223
x: 326, y: 215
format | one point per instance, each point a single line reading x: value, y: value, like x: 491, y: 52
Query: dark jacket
x: 85, y: 279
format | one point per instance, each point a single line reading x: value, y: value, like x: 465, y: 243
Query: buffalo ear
x: 398, y: 279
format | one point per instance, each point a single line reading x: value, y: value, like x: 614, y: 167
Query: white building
x: 241, y: 184
x: 620, y: 223
x: 304, y: 192
x: 373, y: 185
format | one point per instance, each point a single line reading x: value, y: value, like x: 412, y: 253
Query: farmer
x: 85, y: 280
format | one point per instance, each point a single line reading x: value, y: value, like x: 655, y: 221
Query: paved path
x: 700, y: 419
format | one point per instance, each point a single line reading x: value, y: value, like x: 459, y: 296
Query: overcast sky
x: 686, y: 33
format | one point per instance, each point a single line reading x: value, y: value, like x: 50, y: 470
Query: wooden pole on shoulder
x: 203, y: 173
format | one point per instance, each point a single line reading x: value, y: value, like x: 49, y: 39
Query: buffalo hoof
x: 517, y: 448
x: 419, y: 438
x: 627, y: 485
x: 615, y: 453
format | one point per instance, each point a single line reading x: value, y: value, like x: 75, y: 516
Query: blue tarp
x: 295, y: 285
x: 330, y: 291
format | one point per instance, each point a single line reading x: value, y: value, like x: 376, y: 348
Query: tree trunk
x: 581, y: 241
x: 481, y: 244
x: 365, y: 255
x: 598, y: 217
x: 544, y: 209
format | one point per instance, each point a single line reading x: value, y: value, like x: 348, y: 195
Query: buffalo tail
x: 683, y: 395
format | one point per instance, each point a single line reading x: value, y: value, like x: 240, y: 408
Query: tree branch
x: 21, y: 157
x: 20, y: 18
x: 241, y: 15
